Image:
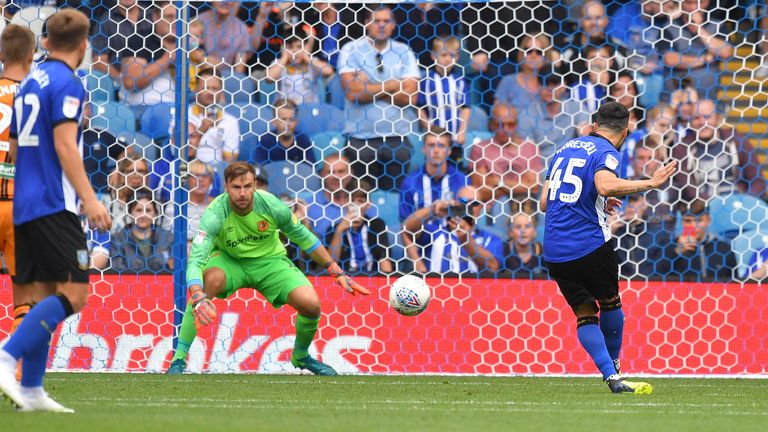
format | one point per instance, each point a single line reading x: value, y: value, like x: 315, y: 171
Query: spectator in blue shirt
x: 693, y: 46
x: 334, y: 29
x: 436, y: 180
x: 284, y: 142
x: 758, y: 264
x: 380, y: 80
x: 444, y: 94
x: 551, y: 118
x: 326, y: 208
x: 359, y: 243
x: 454, y: 244
x: 142, y: 245
x: 698, y: 255
x: 524, y: 255
x: 638, y: 25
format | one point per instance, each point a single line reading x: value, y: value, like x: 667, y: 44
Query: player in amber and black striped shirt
x: 16, y: 52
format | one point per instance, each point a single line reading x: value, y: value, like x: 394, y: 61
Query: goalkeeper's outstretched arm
x: 321, y: 256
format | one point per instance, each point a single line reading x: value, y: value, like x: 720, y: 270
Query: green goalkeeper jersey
x: 254, y: 235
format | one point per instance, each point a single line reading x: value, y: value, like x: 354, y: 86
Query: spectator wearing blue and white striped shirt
x: 444, y: 93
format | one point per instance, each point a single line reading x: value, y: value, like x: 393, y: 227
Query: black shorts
x: 51, y: 249
x: 589, y: 278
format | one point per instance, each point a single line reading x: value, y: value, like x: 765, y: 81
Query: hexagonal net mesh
x: 416, y: 138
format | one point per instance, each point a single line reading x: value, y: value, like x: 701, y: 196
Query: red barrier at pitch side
x: 484, y: 326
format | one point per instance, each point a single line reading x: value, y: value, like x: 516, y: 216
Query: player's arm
x: 65, y: 143
x: 202, y: 244
x: 139, y: 74
x: 358, y: 88
x: 12, y: 149
x: 296, y: 232
x: 543, y: 198
x: 610, y: 185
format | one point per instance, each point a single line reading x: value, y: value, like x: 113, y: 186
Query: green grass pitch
x: 144, y: 403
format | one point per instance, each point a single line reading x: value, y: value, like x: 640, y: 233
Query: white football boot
x: 8, y: 384
x: 37, y: 400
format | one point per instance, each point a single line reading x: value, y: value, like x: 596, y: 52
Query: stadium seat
x: 388, y: 206
x: 156, y: 121
x: 396, y: 249
x: 140, y: 142
x: 317, y: 118
x: 417, y: 157
x: 745, y: 245
x: 115, y: 117
x: 336, y: 92
x: 291, y: 178
x: 473, y: 137
x: 254, y: 119
x: 267, y: 92
x: 238, y: 87
x: 248, y: 146
x: 101, y: 87
x: 34, y: 17
x: 327, y: 143
x: 478, y: 119
x: 736, y: 213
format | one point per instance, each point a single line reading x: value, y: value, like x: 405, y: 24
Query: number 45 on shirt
x: 558, y: 178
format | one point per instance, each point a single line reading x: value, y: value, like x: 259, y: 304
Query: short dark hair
x: 237, y: 169
x: 696, y: 207
x: 369, y: 9
x: 67, y: 29
x: 362, y: 191
x: 140, y: 194
x: 612, y: 116
x: 283, y: 103
x: 438, y: 132
x: 207, y: 72
x: 297, y: 34
x: 17, y: 43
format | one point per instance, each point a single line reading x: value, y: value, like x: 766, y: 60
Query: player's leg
x: 222, y: 276
x: 51, y: 249
x: 214, y: 282
x: 307, y: 304
x: 603, y: 280
x: 281, y: 282
x: 591, y: 338
x: 571, y: 278
x: 612, y: 326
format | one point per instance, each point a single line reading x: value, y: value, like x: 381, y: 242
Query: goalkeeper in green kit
x: 238, y: 246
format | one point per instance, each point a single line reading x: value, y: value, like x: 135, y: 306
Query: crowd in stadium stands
x: 426, y: 128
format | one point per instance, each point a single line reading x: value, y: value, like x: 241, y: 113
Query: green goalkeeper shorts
x: 274, y: 277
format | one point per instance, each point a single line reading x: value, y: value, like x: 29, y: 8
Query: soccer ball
x: 409, y: 295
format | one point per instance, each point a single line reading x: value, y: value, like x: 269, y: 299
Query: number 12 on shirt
x: 558, y: 178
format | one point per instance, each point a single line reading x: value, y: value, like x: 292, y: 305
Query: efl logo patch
x: 70, y: 106
x: 199, y: 238
x: 82, y: 259
x: 611, y: 162
x: 263, y: 226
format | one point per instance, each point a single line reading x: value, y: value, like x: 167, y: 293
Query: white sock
x: 7, y: 361
x: 32, y: 392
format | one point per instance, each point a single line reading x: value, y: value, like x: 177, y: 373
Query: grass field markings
x: 368, y: 408
x: 577, y: 403
x: 312, y: 380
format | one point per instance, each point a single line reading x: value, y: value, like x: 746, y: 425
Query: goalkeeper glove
x: 344, y: 280
x: 202, y: 307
